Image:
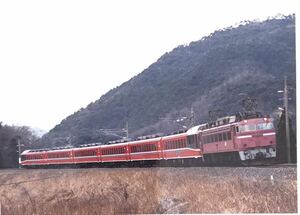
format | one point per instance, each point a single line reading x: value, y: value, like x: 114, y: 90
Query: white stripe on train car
x: 245, y: 136
x: 268, y: 134
x: 181, y: 149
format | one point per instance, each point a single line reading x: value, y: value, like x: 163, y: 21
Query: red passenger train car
x: 228, y: 140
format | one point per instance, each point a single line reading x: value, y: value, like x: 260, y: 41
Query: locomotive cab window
x: 265, y: 126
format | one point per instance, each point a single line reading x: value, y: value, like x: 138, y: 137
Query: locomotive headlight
x: 265, y: 119
x: 245, y: 121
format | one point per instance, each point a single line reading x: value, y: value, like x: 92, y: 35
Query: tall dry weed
x: 142, y: 191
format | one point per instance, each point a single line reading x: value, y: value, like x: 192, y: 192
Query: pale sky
x: 58, y: 56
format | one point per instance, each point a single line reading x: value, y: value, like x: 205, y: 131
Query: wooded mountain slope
x: 208, y: 74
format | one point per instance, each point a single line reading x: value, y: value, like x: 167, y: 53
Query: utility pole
x: 126, y: 130
x: 19, y: 151
x: 287, y: 127
x: 192, y: 117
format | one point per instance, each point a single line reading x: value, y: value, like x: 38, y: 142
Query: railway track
x: 278, y: 166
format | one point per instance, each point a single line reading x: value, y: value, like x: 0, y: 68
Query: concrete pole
x: 287, y: 127
x: 127, y: 132
x: 19, y: 151
x: 192, y: 117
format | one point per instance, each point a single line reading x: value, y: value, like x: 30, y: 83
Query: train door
x: 233, y: 135
x: 200, y: 142
x: 194, y: 145
x: 99, y: 150
x: 127, y: 152
x: 193, y: 141
x: 129, y: 147
x: 160, y: 149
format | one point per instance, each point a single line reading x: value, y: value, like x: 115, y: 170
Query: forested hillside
x: 213, y: 73
x: 9, y: 138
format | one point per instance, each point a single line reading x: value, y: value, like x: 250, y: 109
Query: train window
x: 154, y: 148
x: 85, y: 153
x: 229, y: 135
x: 173, y: 145
x: 115, y: 151
x: 247, y: 128
x: 250, y: 127
x: 237, y: 128
x: 224, y: 136
x: 265, y: 126
x: 181, y: 143
x: 220, y: 137
x: 216, y: 138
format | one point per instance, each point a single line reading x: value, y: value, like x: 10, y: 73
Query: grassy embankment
x: 157, y: 190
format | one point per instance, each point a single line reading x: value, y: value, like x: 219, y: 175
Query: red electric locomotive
x: 239, y: 138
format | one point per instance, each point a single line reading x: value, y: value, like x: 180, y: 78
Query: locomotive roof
x: 195, y: 129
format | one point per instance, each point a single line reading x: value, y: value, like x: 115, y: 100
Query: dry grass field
x: 153, y: 190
